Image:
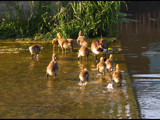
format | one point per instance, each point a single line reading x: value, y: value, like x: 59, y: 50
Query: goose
x: 64, y: 44
x: 52, y: 67
x: 101, y: 66
x: 34, y: 50
x: 117, y: 75
x: 110, y: 63
x: 83, y: 51
x: 84, y: 76
x: 96, y: 48
x: 81, y: 40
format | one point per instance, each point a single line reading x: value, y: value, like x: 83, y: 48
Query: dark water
x: 26, y: 93
x: 141, y: 43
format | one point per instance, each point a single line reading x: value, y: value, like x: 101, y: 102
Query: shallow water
x: 26, y: 93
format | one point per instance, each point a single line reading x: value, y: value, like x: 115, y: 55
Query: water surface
x: 26, y: 93
x: 141, y: 45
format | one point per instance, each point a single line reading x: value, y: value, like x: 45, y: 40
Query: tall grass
x: 95, y: 18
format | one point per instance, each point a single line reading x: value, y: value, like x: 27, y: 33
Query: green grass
x: 95, y: 18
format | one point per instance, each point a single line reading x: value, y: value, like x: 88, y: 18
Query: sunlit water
x: 141, y: 43
x: 26, y: 93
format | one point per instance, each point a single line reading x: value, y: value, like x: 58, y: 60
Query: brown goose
x: 96, y: 48
x: 81, y: 40
x: 83, y: 51
x: 64, y: 44
x: 34, y: 50
x: 61, y: 40
x: 101, y: 66
x: 110, y: 63
x: 117, y: 75
x: 84, y: 76
x: 52, y: 67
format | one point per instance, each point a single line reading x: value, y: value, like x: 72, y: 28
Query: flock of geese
x: 97, y: 47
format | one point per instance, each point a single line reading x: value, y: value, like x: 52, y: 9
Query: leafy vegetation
x: 95, y: 18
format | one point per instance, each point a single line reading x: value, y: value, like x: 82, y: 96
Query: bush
x: 95, y: 18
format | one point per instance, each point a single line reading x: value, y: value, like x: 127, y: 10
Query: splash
x: 110, y: 87
x: 82, y: 84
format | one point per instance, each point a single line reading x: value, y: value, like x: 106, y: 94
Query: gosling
x: 110, y: 63
x: 101, y: 66
x: 81, y: 40
x: 117, y: 75
x: 53, y: 67
x: 61, y: 40
x: 84, y: 76
x: 83, y: 51
x: 34, y: 50
x: 65, y: 45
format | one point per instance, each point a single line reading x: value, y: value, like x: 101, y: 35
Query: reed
x: 93, y: 17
